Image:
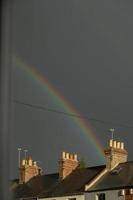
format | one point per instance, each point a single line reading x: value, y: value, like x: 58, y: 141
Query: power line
x: 72, y: 114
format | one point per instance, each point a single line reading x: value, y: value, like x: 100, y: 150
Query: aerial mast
x: 19, y: 156
x: 25, y: 153
x: 112, y: 133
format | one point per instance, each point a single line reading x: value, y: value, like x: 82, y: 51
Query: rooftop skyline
x: 71, y: 57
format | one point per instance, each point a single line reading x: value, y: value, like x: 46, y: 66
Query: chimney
x: 28, y: 169
x: 115, y: 154
x: 67, y: 164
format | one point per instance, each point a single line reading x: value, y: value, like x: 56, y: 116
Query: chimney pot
x: 114, y: 144
x: 23, y: 162
x: 75, y: 157
x: 35, y: 163
x: 110, y: 143
x: 122, y: 145
x: 118, y: 145
x: 67, y: 155
x: 63, y: 155
x: 30, y: 162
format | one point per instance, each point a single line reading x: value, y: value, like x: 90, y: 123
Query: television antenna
x: 112, y: 133
x: 25, y: 153
x: 19, y: 156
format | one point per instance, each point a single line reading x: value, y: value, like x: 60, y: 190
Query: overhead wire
x: 40, y: 107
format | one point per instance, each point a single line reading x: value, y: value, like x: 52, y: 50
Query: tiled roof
x: 120, y: 177
x: 50, y: 186
x: 74, y: 183
x: 35, y: 186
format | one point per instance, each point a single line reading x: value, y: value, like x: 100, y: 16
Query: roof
x: 74, y: 183
x: 50, y: 186
x: 35, y: 186
x: 120, y: 177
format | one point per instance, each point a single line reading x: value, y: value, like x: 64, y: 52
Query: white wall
x: 78, y: 197
x: 109, y: 195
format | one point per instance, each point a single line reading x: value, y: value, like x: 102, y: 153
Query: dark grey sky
x: 84, y: 48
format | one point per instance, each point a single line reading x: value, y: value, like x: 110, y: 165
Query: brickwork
x: 28, y: 169
x: 115, y: 154
x: 67, y: 164
x: 129, y: 197
x: 129, y: 194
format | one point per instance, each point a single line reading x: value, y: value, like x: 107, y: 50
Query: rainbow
x: 63, y: 102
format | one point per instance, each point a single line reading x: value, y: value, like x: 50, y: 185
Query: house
x: 114, y: 180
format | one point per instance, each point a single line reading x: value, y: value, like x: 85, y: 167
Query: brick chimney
x: 115, y: 154
x: 28, y: 169
x: 67, y: 164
